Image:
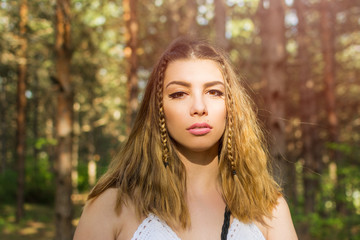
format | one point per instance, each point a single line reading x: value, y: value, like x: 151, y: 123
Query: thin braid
x: 230, y: 123
x: 163, y: 133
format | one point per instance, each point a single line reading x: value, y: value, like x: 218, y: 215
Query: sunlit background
x: 310, y: 58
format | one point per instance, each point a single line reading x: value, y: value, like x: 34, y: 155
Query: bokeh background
x: 72, y: 73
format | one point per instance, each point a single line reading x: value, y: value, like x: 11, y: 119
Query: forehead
x: 193, y: 70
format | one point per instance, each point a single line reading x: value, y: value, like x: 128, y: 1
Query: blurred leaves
x: 99, y: 78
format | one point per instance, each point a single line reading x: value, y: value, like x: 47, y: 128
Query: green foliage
x: 8, y: 186
x: 329, y: 227
x: 42, y: 142
x: 344, y: 148
x: 98, y: 72
x: 39, y: 186
x: 83, y: 178
x: 39, y: 182
x: 327, y: 222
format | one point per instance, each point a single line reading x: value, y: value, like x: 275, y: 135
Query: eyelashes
x: 181, y: 94
x: 216, y: 93
x: 177, y: 95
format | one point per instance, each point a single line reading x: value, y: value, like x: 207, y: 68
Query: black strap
x: 226, y: 224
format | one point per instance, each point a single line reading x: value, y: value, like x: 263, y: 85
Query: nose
x: 198, y: 106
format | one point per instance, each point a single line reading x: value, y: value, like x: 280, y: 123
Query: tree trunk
x: 76, y: 142
x: 327, y: 21
x: 308, y: 115
x: 64, y: 124
x: 174, y: 17
x: 3, y: 108
x: 36, y: 121
x: 188, y: 23
x: 220, y: 24
x: 131, y: 37
x: 21, y: 112
x: 274, y: 75
x: 327, y: 34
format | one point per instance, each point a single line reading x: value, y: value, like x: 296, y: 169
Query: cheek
x: 220, y: 112
x: 173, y: 122
x: 169, y: 112
x: 173, y: 114
x: 222, y: 117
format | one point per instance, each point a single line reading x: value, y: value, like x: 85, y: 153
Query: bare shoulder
x: 99, y: 219
x: 280, y: 226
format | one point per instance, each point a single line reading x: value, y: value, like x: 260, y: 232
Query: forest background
x: 73, y: 72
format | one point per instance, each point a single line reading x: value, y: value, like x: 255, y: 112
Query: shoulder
x: 280, y: 226
x: 99, y: 219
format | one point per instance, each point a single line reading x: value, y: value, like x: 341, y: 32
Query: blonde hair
x: 148, y: 171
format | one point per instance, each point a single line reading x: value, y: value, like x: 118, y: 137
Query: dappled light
x: 73, y: 72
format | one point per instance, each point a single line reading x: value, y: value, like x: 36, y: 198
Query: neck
x: 201, y: 169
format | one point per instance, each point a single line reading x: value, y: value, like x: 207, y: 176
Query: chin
x: 198, y: 147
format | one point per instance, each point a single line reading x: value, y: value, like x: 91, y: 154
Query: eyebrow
x: 182, y: 83
x: 187, y: 84
x: 209, y: 84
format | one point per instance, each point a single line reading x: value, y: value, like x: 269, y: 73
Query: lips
x: 199, y: 129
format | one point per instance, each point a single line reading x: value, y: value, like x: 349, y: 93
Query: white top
x: 152, y: 228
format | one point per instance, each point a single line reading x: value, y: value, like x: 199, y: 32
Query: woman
x: 194, y: 166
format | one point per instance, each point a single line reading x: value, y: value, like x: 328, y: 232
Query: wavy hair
x: 148, y: 171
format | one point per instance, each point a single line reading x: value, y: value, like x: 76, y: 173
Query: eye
x: 217, y: 93
x: 177, y: 95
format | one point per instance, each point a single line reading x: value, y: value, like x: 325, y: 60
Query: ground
x: 38, y: 222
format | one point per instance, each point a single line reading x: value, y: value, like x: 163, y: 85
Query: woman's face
x: 194, y: 103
